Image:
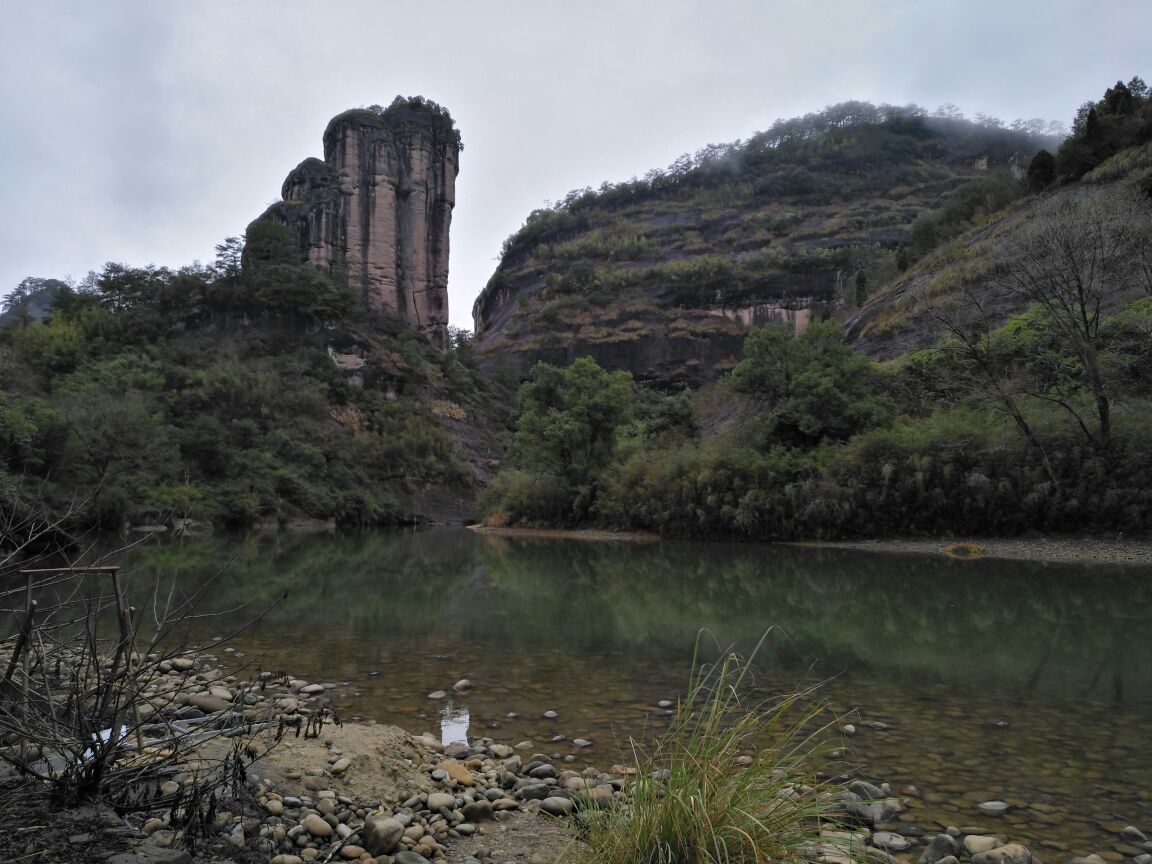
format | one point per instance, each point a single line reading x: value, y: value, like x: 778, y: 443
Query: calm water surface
x: 1025, y: 682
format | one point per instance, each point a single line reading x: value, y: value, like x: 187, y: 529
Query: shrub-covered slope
x: 1089, y: 219
x: 663, y: 276
x: 234, y: 395
x: 1013, y: 392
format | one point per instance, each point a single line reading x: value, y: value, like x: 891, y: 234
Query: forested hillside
x: 869, y: 320
x: 232, y: 394
x: 1015, y: 323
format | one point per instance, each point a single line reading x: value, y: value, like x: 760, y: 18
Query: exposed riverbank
x: 1086, y: 549
x: 376, y: 794
x: 593, y: 534
x: 1066, y: 550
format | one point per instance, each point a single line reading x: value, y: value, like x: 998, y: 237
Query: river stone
x: 598, y: 796
x: 535, y: 791
x: 341, y: 765
x: 557, y: 806
x: 890, y: 841
x: 865, y: 790
x: 1012, y: 853
x: 351, y: 852
x: 381, y: 834
x: 414, y: 832
x: 183, y: 664
x: 993, y: 808
x: 208, y: 703
x: 879, y: 856
x: 581, y: 742
x: 457, y: 771
x: 407, y: 856
x: 436, y: 800
x: 939, y: 847
x: 274, y: 807
x: 437, y: 694
x: 287, y: 859
x: 871, y: 812
x: 462, y: 686
x: 149, y: 854
x: 476, y: 810
x: 316, y: 826
x: 977, y: 843
x: 1146, y: 858
x: 1131, y: 832
x: 542, y: 772
x: 501, y: 751
x: 550, y: 715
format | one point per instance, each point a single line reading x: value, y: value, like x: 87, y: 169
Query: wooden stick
x: 21, y: 643
x: 109, y: 568
x: 127, y: 642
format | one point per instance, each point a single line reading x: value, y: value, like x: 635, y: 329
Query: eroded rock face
x: 376, y: 211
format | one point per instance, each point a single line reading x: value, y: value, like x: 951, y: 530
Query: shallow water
x: 1025, y: 682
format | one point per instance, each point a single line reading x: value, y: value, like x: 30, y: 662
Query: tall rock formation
x: 375, y: 213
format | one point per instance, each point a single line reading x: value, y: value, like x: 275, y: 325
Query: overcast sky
x: 146, y: 132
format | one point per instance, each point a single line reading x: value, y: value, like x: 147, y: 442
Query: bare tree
x: 965, y: 327
x: 1079, y: 256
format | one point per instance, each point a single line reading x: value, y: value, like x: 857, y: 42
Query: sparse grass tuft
x: 731, y: 781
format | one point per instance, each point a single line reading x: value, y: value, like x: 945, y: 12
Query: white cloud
x: 146, y: 132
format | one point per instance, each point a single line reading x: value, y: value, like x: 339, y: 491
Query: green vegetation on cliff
x: 662, y: 275
x: 231, y: 393
x: 1016, y: 396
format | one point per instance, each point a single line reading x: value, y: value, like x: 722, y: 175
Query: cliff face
x: 376, y: 212
x: 664, y: 276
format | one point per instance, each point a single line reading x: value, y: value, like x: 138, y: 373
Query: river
x: 973, y: 680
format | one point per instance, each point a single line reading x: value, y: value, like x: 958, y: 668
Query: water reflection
x: 431, y: 598
x: 1024, y: 682
x: 454, y: 720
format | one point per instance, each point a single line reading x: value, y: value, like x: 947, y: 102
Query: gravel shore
x: 1059, y: 549
x: 1068, y: 550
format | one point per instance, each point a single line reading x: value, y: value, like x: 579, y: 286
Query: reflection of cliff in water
x: 1060, y: 630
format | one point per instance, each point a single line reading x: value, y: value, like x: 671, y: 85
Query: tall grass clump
x: 731, y: 781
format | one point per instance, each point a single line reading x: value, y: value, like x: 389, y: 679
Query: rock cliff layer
x: 663, y: 276
x: 376, y: 212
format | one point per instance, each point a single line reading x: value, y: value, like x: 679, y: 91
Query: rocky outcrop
x: 376, y: 211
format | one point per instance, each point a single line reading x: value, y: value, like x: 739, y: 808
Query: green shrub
x: 731, y: 781
x: 527, y: 497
